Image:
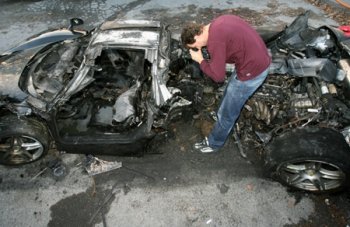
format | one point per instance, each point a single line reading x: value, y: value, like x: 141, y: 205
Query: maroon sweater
x: 232, y: 40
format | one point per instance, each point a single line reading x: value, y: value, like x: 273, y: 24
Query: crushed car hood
x: 14, y: 61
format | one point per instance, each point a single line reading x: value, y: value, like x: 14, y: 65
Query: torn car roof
x: 129, y: 24
x: 127, y: 37
x: 128, y: 32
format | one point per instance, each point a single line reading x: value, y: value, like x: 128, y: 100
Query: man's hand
x: 196, y: 56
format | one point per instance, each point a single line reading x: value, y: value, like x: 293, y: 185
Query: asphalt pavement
x: 173, y: 186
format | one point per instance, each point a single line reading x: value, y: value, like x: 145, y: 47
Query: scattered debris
x: 96, y: 166
x: 38, y: 174
x: 223, y: 188
x: 250, y: 187
x: 59, y: 171
x: 57, y: 167
x: 213, y: 115
x: 209, y: 221
x: 239, y: 144
x: 327, y: 202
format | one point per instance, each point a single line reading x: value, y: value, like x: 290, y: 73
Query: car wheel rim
x: 20, y: 150
x: 312, y: 175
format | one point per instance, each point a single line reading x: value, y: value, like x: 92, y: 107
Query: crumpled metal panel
x: 346, y: 45
x: 80, y: 81
x: 129, y: 24
x: 319, y: 67
x: 10, y: 75
x: 160, y: 91
x: 127, y: 37
x: 66, y: 58
x: 124, y: 105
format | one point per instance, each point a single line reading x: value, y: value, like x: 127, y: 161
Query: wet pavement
x: 172, y: 185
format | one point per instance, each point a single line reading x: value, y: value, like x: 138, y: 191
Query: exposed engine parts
x: 307, y: 85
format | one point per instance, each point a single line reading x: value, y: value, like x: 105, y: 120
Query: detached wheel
x: 314, y: 160
x: 22, y: 141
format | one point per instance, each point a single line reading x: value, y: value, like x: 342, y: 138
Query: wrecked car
x: 102, y: 91
x: 111, y: 91
x: 300, y: 116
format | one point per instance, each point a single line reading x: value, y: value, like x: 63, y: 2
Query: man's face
x: 193, y: 46
x: 198, y: 44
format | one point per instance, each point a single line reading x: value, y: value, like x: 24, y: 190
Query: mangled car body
x: 301, y: 114
x: 103, y: 91
x: 109, y: 91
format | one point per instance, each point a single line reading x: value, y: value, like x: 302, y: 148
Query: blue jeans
x: 235, y: 96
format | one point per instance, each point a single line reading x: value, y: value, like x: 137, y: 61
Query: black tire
x: 22, y: 140
x: 310, y: 159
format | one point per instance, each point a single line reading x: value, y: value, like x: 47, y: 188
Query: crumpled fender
x: 44, y: 39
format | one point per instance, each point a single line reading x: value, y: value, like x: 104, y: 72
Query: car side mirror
x: 75, y: 22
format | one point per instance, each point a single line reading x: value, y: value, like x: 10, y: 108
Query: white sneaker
x: 204, y: 147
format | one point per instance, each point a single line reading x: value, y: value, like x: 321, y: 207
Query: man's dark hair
x: 189, y: 32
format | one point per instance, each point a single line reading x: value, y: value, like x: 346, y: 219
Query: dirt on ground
x: 335, y: 11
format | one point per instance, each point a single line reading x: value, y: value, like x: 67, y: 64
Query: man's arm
x: 215, y: 67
